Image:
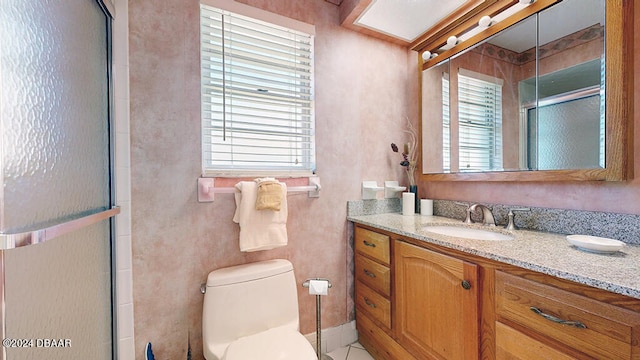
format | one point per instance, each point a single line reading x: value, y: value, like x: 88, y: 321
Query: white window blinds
x: 480, y: 122
x: 257, y: 96
x: 446, y: 125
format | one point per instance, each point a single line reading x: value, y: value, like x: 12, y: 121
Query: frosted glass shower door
x: 56, y: 284
x: 566, y: 135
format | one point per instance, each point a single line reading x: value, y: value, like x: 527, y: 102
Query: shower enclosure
x: 564, y: 126
x: 56, y: 194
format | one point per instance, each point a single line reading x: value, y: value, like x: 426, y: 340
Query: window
x: 480, y: 118
x: 257, y: 96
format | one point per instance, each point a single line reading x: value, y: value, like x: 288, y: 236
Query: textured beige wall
x: 364, y: 88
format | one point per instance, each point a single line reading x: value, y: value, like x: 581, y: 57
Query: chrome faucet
x: 487, y: 216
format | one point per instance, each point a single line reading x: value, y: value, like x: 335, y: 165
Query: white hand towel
x: 259, y: 229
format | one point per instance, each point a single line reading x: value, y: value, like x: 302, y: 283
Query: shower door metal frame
x: 14, y: 240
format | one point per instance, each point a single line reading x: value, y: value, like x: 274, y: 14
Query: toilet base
x: 274, y: 344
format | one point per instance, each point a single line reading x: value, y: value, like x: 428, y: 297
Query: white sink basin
x: 467, y: 233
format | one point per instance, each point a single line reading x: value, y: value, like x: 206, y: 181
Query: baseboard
x: 335, y: 337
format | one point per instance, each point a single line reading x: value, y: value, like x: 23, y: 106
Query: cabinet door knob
x: 366, y: 243
x: 577, y: 324
x: 466, y: 285
x: 369, y: 273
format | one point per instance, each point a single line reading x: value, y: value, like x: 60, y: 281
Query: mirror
x: 436, y: 119
x: 529, y: 99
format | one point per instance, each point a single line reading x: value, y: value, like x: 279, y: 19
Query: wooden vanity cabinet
x: 416, y: 300
x: 372, y: 274
x: 373, y: 295
x: 436, y: 303
x: 416, y: 303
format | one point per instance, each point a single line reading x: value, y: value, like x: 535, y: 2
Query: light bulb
x: 426, y: 55
x: 452, y: 41
x: 485, y: 21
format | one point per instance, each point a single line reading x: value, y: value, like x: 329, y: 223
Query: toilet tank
x: 247, y: 299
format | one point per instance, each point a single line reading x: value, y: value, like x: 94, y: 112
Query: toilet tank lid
x: 247, y: 272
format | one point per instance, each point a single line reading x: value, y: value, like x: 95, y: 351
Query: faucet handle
x: 511, y: 225
x: 467, y: 220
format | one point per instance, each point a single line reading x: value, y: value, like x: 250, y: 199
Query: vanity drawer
x: 374, y: 275
x: 512, y: 344
x: 592, y: 327
x: 374, y: 304
x: 378, y: 342
x: 373, y: 244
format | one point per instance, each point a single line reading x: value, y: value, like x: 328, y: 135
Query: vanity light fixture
x: 485, y: 22
x: 452, y: 41
x: 427, y: 55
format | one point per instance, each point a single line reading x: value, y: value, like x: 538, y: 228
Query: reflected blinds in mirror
x: 603, y: 120
x: 446, y: 125
x: 480, y: 122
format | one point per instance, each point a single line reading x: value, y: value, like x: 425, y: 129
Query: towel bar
x: 207, y: 189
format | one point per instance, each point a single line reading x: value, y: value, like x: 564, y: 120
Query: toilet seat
x: 274, y: 344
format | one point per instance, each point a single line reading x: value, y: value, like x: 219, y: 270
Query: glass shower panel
x: 61, y: 290
x: 54, y: 110
x: 571, y: 64
x: 567, y: 135
x: 55, y: 162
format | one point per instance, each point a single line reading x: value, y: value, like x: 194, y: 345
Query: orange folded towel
x: 269, y: 195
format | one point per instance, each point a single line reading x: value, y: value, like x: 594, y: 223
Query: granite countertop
x: 547, y: 253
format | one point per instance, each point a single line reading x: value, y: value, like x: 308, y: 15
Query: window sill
x: 252, y: 174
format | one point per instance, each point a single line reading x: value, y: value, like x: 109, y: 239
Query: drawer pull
x: 366, y: 243
x: 366, y: 301
x: 577, y: 324
x: 369, y: 273
x: 465, y: 285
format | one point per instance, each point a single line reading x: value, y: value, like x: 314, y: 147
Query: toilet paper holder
x: 306, y: 284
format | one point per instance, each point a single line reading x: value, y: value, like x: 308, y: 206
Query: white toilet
x: 251, y: 312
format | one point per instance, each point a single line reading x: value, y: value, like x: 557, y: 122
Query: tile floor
x: 354, y: 351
